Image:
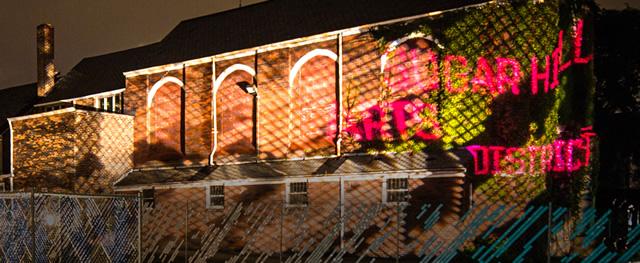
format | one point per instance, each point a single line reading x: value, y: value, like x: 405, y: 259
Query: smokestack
x: 46, y: 68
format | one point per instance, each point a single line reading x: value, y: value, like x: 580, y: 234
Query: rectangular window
x: 148, y: 198
x: 297, y: 194
x: 117, y: 105
x: 397, y: 190
x: 215, y: 196
x: 112, y: 103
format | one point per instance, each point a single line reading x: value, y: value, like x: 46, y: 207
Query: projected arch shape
x: 239, y: 94
x: 164, y: 119
x: 312, y: 111
x: 304, y: 59
x: 409, y: 65
x: 394, y: 44
x: 158, y: 85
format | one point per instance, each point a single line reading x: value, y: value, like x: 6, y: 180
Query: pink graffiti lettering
x: 375, y: 125
x: 560, y: 156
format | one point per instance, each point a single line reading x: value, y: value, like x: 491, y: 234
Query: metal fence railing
x: 47, y: 227
x: 185, y: 231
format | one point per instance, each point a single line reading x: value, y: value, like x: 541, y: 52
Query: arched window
x: 410, y: 66
x: 313, y: 100
x: 235, y: 114
x: 165, y: 120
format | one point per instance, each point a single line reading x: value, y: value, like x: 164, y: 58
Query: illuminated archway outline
x: 214, y: 93
x: 298, y: 65
x: 158, y: 85
x: 152, y: 94
x: 231, y: 69
x: 394, y: 44
x: 304, y: 59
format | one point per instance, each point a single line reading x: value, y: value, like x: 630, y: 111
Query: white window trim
x: 100, y: 102
x: 208, y: 196
x: 287, y: 191
x: 385, y: 195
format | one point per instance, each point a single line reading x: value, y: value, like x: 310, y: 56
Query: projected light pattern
x: 366, y: 232
x: 560, y: 156
x: 235, y: 111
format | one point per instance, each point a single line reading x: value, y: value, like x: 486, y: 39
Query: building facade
x: 467, y: 105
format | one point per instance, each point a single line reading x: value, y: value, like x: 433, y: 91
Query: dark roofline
x: 354, y: 166
x: 16, y: 101
x: 208, y: 16
x: 216, y: 33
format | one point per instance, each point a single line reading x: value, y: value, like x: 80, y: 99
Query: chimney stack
x: 46, y: 68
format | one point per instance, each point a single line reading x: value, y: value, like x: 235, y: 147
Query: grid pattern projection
x: 43, y: 227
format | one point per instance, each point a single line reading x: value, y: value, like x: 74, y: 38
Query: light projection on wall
x: 497, y: 76
x: 563, y: 155
x: 412, y: 71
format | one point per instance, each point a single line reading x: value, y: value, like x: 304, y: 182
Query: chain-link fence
x: 186, y: 231
x: 47, y: 227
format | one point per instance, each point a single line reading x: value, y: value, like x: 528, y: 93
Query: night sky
x: 88, y: 28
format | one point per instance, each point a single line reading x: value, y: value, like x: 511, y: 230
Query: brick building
x: 316, y: 103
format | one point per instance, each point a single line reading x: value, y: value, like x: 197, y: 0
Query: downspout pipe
x: 214, y: 130
x: 10, y: 155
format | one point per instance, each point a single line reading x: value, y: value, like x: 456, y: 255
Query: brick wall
x: 88, y: 102
x: 75, y: 151
x: 180, y: 211
x: 294, y: 119
x: 179, y: 120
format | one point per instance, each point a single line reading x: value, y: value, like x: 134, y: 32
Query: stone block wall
x: 72, y: 151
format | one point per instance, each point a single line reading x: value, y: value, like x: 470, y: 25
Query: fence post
x: 550, y: 210
x: 140, y: 204
x: 33, y: 225
x: 282, y: 229
x: 398, y: 233
x: 186, y: 233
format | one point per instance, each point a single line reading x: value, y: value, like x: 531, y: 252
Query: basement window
x: 397, y: 190
x: 215, y: 196
x: 148, y: 198
x: 297, y: 194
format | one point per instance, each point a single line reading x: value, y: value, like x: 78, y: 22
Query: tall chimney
x: 46, y: 68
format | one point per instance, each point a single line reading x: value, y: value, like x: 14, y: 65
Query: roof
x: 246, y: 27
x: 16, y: 101
x: 278, y: 170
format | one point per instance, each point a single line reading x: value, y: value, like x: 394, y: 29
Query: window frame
x: 148, y: 200
x: 289, y: 193
x: 210, y: 195
x: 108, y: 103
x: 387, y: 189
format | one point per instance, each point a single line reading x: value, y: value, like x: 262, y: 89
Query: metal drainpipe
x: 213, y: 111
x: 10, y: 156
x: 339, y: 97
x: 256, y: 100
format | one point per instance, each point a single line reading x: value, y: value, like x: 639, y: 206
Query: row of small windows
x: 396, y: 191
x: 114, y: 103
